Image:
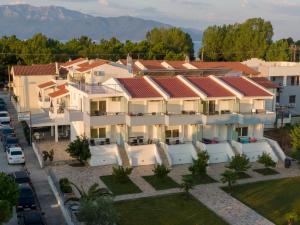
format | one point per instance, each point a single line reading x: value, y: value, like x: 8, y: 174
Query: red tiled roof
x: 210, y: 87
x: 138, y: 87
x: 91, y: 64
x: 263, y: 81
x: 175, y: 87
x: 235, y: 66
x: 152, y: 64
x: 178, y: 65
x: 58, y: 93
x: 70, y: 63
x: 47, y: 84
x: 62, y: 86
x: 35, y: 70
x: 245, y: 87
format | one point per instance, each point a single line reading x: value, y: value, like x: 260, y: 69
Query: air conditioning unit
x: 116, y: 99
x: 292, y: 105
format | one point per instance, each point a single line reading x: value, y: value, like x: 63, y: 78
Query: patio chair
x: 177, y: 142
x: 92, y: 142
x: 107, y: 141
x: 141, y: 141
x: 168, y: 141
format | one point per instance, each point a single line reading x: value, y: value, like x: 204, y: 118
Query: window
x: 278, y: 99
x: 292, y: 99
x: 102, y: 133
x: 98, y: 132
x: 175, y: 133
x: 292, y: 81
x: 99, y: 73
x: 168, y: 133
x: 172, y: 133
x: 94, y: 133
x: 242, y: 131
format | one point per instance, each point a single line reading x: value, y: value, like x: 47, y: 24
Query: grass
x: 266, y: 171
x: 273, y: 199
x: 243, y: 175
x: 166, y: 210
x: 200, y: 180
x: 120, y: 188
x: 161, y: 183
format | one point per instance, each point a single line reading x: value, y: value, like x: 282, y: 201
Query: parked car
x: 26, y: 198
x: 5, y: 131
x: 31, y: 218
x: 21, y: 177
x: 3, y: 107
x: 4, y: 115
x: 5, y: 124
x: 15, y: 155
x: 10, y: 141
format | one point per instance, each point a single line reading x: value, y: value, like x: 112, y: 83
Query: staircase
x: 124, y: 156
x: 198, y: 150
x: 163, y: 156
x: 235, y: 151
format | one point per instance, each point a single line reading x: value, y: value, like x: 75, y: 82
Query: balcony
x: 73, y: 115
x: 260, y: 116
x: 183, y: 118
x: 224, y: 117
x: 106, y: 118
x: 57, y: 113
x: 136, y: 119
x: 44, y: 103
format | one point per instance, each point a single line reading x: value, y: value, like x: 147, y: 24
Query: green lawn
x: 118, y: 188
x: 272, y: 199
x: 200, y: 180
x: 243, y: 175
x: 161, y: 183
x: 266, y: 171
x: 166, y: 210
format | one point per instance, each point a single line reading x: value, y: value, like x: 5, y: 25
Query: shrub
x: 239, y: 163
x: 199, y: 165
x: 79, y: 149
x: 121, y: 173
x: 266, y: 160
x: 230, y: 177
x: 161, y: 171
x: 65, y: 185
x: 48, y: 155
x: 186, y: 185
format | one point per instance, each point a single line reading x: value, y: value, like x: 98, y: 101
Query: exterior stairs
x: 124, y: 156
x: 162, y: 155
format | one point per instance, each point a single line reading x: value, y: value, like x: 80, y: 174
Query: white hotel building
x: 158, y: 119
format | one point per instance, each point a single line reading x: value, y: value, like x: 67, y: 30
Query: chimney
x: 187, y: 58
x: 129, y: 60
x: 56, y: 68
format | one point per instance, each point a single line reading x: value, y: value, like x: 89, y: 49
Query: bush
x: 121, y: 173
x: 199, y: 165
x: 161, y: 171
x: 230, y: 177
x: 239, y: 163
x: 266, y: 160
x: 26, y: 131
x: 79, y: 149
x: 48, y: 155
x: 65, y: 185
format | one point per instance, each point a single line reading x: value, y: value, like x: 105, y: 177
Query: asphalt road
x: 38, y: 176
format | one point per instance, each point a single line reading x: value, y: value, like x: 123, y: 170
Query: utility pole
x: 294, y: 48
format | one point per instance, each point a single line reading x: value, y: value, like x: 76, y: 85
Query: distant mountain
x: 63, y: 24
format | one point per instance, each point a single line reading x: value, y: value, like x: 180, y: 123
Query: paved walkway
x: 38, y: 176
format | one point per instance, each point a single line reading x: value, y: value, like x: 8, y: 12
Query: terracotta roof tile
x: 263, y: 81
x: 210, y: 87
x: 152, y: 64
x: 62, y: 86
x: 91, y: 64
x: 35, y: 70
x: 178, y: 65
x: 175, y: 87
x: 235, y: 66
x: 70, y: 63
x: 58, y: 93
x: 245, y: 87
x: 46, y: 84
x: 138, y: 87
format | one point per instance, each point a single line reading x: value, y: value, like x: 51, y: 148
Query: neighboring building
x: 159, y: 117
x: 286, y: 75
x: 186, y: 67
x: 27, y: 78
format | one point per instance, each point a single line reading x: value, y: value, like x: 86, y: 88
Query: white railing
x: 238, y: 146
x: 126, y: 147
x: 164, y: 146
x: 276, y: 147
x: 37, y: 154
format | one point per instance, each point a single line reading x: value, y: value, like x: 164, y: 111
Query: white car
x: 15, y: 155
x: 4, y: 116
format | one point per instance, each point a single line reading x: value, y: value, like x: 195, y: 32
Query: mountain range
x: 63, y: 24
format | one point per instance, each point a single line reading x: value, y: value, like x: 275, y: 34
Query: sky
x: 198, y: 14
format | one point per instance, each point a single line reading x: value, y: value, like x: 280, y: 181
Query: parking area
x: 38, y: 176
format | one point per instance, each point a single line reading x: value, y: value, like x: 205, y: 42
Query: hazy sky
x: 284, y: 14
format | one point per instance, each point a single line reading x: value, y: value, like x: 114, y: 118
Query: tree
x: 292, y: 218
x: 279, y: 51
x: 9, y: 194
x: 161, y: 171
x: 199, y: 165
x: 230, y: 177
x: 79, y: 149
x: 99, y: 211
x: 295, y: 135
x: 5, y: 211
x: 239, y: 163
x: 266, y: 160
x: 121, y: 173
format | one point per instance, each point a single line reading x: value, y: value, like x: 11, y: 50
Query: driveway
x: 38, y: 176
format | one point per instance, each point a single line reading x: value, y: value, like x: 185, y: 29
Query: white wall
x: 174, y: 106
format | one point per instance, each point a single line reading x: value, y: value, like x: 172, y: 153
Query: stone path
x: 227, y: 207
